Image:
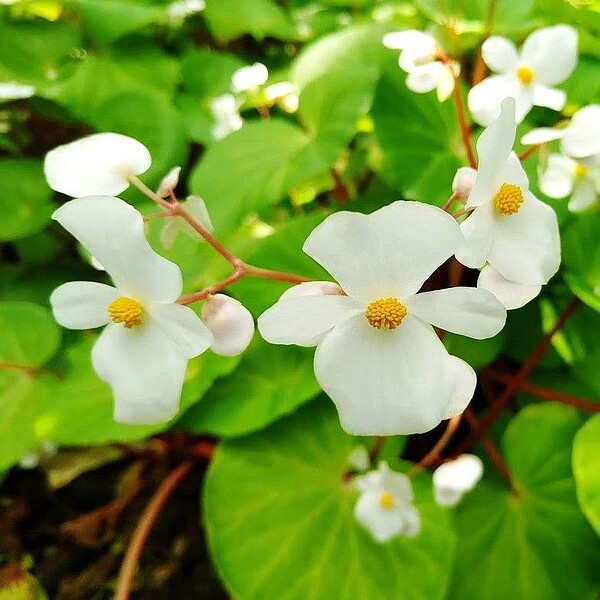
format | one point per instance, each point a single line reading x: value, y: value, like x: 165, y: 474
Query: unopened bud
x: 463, y: 182
x: 249, y: 77
x: 452, y: 479
x: 169, y: 182
x: 231, y: 324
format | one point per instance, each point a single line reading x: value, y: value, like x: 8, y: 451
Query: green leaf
x: 207, y: 73
x: 535, y: 537
x: 478, y: 353
x: 586, y: 468
x: 25, y: 201
x: 270, y: 382
x: 279, y: 520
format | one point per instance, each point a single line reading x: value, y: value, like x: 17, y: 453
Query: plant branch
x: 527, y: 153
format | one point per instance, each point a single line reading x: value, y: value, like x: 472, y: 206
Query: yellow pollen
x: 508, y: 199
x: 386, y: 500
x: 385, y: 312
x: 580, y: 171
x: 127, y: 311
x: 525, y: 75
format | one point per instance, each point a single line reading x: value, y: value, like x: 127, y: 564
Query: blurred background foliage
x: 279, y: 523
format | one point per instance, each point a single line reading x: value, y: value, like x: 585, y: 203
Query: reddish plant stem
x: 376, y: 449
x: 142, y: 531
x: 518, y: 378
x: 29, y: 369
x: 446, y: 206
x: 480, y: 69
x: 527, y: 153
x: 546, y: 393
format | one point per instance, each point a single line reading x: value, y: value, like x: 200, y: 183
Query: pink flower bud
x: 169, y: 182
x: 463, y: 182
x: 231, y: 324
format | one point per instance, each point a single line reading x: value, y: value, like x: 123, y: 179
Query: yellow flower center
x: 580, y: 171
x: 525, y: 75
x: 385, y: 312
x: 386, y: 500
x: 127, y: 311
x: 508, y: 199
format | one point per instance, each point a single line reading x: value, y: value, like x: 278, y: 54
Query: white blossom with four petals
x: 149, y: 338
x: 454, y: 478
x: 547, y: 57
x: 380, y: 359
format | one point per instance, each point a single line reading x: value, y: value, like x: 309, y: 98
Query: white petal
x: 557, y: 180
x: 359, y: 458
x: 514, y: 173
x: 549, y: 97
x: 231, y: 324
x: 144, y: 369
x: 15, y: 91
x: 478, y: 232
x: 425, y: 78
x: 417, y: 42
x: 313, y: 288
x: 541, y: 136
x: 463, y: 310
x: 370, y: 482
x: 169, y: 182
x: 298, y: 320
x: 82, y: 304
x: 113, y: 232
x: 445, y: 84
x: 390, y: 252
x: 98, y: 164
x: 183, y: 327
x: 249, y: 77
x: 512, y: 295
x: 582, y: 136
x: 385, y: 382
x: 461, y: 474
x: 499, y: 54
x: 485, y: 98
x: 527, y: 245
x: 383, y: 523
x: 584, y: 196
x: 551, y: 53
x: 465, y: 381
x: 397, y: 484
x: 411, y: 526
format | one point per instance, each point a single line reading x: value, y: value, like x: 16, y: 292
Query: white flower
x: 463, y: 182
x: 384, y: 506
x: 196, y: 208
x: 452, y: 479
x: 231, y: 324
x: 180, y: 9
x: 418, y: 59
x: 99, y: 164
x: 359, y: 458
x: 283, y: 93
x: 381, y: 361
x: 564, y: 176
x: 579, y: 139
x: 143, y: 352
x: 227, y: 117
x: 249, y: 77
x: 546, y: 59
x: 509, y: 228
x: 15, y: 91
x: 169, y: 182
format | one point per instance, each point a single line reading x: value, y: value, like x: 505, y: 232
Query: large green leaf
x: 280, y: 525
x: 532, y: 542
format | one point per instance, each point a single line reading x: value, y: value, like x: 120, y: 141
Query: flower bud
x: 463, y: 182
x: 249, y: 77
x: 231, y: 324
x: 169, y: 182
x: 452, y: 479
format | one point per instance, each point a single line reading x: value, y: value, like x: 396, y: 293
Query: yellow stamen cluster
x: 525, y: 75
x: 580, y: 171
x: 127, y: 311
x: 508, y: 199
x: 386, y: 500
x: 386, y: 313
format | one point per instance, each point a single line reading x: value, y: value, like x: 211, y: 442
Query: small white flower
x: 509, y: 228
x: 452, y: 479
x: 547, y: 57
x: 196, y: 208
x: 385, y: 505
x: 231, y: 324
x: 169, y: 182
x: 359, y: 458
x: 99, y: 164
x: 463, y: 182
x: 227, y: 117
x: 143, y: 352
x: 380, y: 359
x: 579, y: 139
x: 283, y: 93
x: 564, y: 176
x: 418, y: 59
x: 180, y: 9
x: 249, y: 77
x: 15, y: 91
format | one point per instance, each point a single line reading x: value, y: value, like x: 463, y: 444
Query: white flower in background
x: 385, y: 505
x: 580, y: 138
x: 463, y: 182
x: 99, y: 164
x: 418, y: 59
x: 143, y: 352
x: 359, y: 458
x: 196, y: 208
x: 15, y: 91
x: 250, y: 77
x: 456, y: 477
x: 509, y: 228
x: 226, y: 115
x: 380, y: 360
x: 547, y: 57
x: 564, y: 176
x: 169, y: 182
x: 283, y: 93
x: 181, y: 9
x: 31, y: 460
x: 231, y: 324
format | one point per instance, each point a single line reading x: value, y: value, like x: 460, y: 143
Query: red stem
x: 527, y: 153
x: 439, y: 447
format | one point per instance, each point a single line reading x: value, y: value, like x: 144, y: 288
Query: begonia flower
x: 453, y: 479
x: 380, y: 359
x: 509, y: 228
x: 227, y: 117
x: 249, y: 77
x: 547, y: 57
x: 96, y: 165
x: 143, y: 351
x: 385, y: 505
